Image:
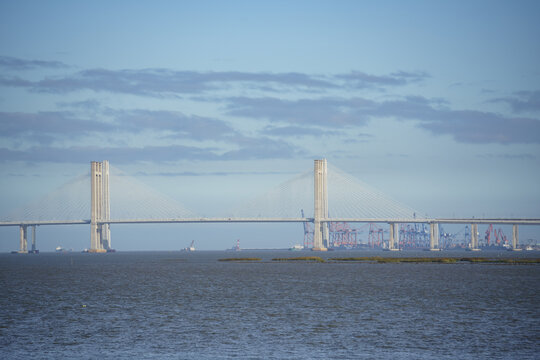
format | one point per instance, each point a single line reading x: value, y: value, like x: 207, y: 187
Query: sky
x: 435, y: 103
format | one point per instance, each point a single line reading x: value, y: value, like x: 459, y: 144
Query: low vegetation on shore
x: 301, y: 258
x: 241, y: 259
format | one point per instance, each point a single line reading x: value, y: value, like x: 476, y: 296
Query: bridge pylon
x: 100, y: 234
x: 320, y: 235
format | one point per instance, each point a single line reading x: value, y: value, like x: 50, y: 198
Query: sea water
x: 174, y: 305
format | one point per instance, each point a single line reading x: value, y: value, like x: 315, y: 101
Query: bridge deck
x: 517, y: 221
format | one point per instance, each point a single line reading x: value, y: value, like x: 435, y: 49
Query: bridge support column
x: 95, y: 231
x: 393, y: 241
x: 515, y: 237
x: 34, y: 250
x: 106, y: 207
x: 474, y: 238
x: 320, y: 236
x: 23, y: 243
x: 99, y: 233
x: 434, y: 237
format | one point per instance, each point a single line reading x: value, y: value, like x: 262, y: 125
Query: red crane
x: 500, y: 237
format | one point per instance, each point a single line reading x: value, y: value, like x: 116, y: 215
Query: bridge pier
x: 393, y: 241
x: 100, y: 207
x: 320, y: 235
x: 515, y: 237
x: 23, y: 241
x: 474, y: 238
x: 434, y: 237
x: 33, y: 250
x: 106, y: 208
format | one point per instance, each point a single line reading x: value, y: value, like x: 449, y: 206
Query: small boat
x: 190, y: 248
x: 297, y: 248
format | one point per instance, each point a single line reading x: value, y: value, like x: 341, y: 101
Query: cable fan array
x: 348, y: 197
x: 71, y: 201
x: 132, y: 199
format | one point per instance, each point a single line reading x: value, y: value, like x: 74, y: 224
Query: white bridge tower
x: 100, y: 236
x: 320, y: 236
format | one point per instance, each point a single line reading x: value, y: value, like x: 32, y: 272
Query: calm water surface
x: 190, y: 306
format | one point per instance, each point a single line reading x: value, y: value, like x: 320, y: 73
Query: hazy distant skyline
x: 435, y: 103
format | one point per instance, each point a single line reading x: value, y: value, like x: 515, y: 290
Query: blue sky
x: 435, y: 103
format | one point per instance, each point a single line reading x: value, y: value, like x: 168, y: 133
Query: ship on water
x: 190, y: 248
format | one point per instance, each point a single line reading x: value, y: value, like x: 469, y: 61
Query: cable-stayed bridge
x: 327, y: 194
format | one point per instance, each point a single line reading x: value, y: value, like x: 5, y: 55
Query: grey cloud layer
x: 43, y: 127
x: 278, y: 119
x: 76, y: 154
x: 260, y: 148
x: 194, y: 127
x: 17, y: 64
x: 363, y: 80
x: 329, y: 112
x: 46, y: 127
x: 466, y: 126
x: 522, y: 101
x: 161, y: 82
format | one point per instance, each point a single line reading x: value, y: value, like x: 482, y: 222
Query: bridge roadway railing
x: 521, y: 221
x: 517, y: 221
x: 44, y: 222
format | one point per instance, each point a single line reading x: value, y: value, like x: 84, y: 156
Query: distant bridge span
x: 506, y: 221
x: 100, y: 220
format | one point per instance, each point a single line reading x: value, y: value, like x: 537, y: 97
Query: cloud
x: 482, y: 127
x: 162, y: 82
x: 12, y: 63
x: 262, y: 148
x: 467, y: 126
x: 522, y: 101
x: 90, y: 104
x: 360, y: 79
x: 13, y: 81
x: 298, y: 131
x: 45, y: 127
x: 182, y: 126
x: 139, y: 82
x: 76, y: 154
x: 158, y: 82
x: 327, y: 112
x: 508, y: 156
x: 246, y: 149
